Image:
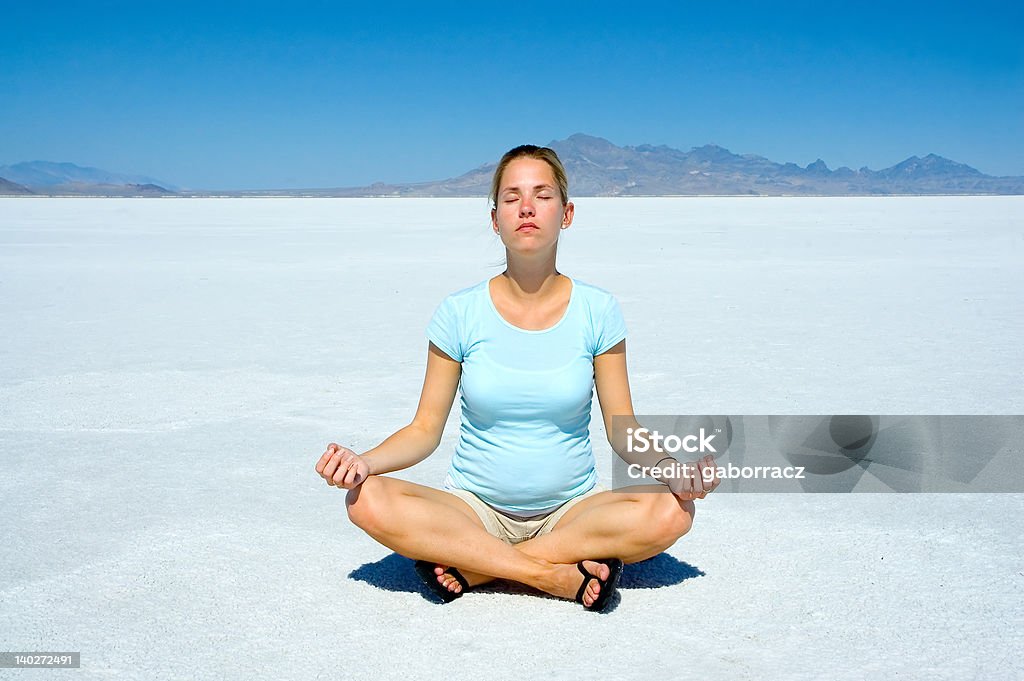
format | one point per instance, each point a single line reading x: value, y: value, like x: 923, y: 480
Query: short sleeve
x: 443, y: 330
x: 609, y: 327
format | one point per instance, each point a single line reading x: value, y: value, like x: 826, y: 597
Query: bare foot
x: 452, y: 584
x: 571, y: 580
x: 566, y: 584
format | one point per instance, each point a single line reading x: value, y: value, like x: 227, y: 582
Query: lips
x: 526, y: 226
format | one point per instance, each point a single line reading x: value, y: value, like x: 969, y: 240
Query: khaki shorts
x: 512, y: 530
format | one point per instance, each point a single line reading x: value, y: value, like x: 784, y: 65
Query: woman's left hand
x: 698, y: 479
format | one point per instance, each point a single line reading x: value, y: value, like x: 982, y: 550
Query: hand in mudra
x: 694, y: 479
x: 341, y: 467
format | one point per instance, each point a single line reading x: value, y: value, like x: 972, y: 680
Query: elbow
x: 617, y: 442
x: 428, y: 435
x: 614, y: 445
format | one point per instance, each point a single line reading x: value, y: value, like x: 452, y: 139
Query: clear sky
x: 319, y: 94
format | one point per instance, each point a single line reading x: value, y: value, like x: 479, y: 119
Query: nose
x: 525, y: 207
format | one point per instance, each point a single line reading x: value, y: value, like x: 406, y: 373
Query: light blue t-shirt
x: 524, y: 444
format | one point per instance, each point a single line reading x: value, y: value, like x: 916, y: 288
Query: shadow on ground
x: 662, y: 570
x: 395, y: 573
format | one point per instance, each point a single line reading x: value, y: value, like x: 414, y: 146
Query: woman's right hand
x: 341, y: 467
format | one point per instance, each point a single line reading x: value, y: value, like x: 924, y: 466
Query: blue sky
x: 264, y: 95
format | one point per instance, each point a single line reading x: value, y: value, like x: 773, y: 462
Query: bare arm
x: 341, y: 467
x: 418, y: 440
x: 612, y: 381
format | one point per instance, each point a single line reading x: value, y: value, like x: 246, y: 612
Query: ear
x: 494, y: 220
x: 567, y: 215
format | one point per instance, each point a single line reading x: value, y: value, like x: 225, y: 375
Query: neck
x: 530, y: 276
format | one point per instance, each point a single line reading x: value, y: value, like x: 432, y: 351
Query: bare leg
x: 633, y: 526
x: 423, y: 523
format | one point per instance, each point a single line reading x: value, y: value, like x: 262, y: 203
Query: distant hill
x: 67, y: 179
x: 8, y: 188
x: 596, y: 167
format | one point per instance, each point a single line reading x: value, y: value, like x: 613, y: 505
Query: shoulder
x: 450, y: 324
x: 604, y: 324
x: 464, y: 297
x: 589, y: 289
x: 594, y: 297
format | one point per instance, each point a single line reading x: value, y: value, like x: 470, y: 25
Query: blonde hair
x: 530, y: 151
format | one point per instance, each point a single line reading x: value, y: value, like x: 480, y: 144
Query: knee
x: 363, y: 503
x: 671, y: 518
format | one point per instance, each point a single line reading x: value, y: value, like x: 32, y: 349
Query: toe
x: 599, y: 570
x: 450, y: 583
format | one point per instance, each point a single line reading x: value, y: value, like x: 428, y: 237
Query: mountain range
x: 595, y: 166
x: 67, y: 179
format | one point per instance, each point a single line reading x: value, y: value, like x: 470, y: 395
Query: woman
x: 520, y: 499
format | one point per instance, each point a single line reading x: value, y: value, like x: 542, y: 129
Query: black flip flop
x: 426, y: 572
x: 607, y: 585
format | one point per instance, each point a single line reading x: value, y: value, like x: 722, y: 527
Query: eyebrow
x: 537, y: 186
